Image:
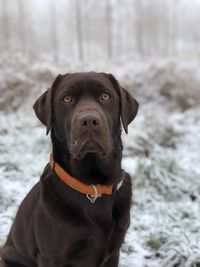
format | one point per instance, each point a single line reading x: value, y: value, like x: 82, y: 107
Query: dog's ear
x: 129, y: 105
x: 43, y: 106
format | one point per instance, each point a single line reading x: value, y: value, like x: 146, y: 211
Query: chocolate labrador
x: 79, y: 212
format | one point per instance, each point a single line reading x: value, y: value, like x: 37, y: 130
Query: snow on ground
x: 161, y: 152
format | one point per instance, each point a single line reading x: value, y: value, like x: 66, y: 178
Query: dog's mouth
x: 79, y: 149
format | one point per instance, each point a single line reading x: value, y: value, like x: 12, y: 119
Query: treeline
x: 88, y: 30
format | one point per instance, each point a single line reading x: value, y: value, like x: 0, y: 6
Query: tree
x: 79, y: 29
x: 109, y: 27
x: 22, y: 23
x: 6, y: 28
x: 53, y: 29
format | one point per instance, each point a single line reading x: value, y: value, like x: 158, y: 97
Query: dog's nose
x: 89, y: 121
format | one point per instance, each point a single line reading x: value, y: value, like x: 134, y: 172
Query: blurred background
x: 101, y: 30
x: 153, y: 49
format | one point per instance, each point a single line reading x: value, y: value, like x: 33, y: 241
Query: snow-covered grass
x: 161, y: 152
x: 166, y: 212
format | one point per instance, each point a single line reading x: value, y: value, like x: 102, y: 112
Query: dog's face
x: 85, y: 110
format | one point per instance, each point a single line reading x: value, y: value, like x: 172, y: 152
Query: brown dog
x: 78, y: 214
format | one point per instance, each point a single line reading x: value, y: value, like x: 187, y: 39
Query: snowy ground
x: 162, y: 153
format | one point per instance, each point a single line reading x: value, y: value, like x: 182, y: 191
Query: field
x: 161, y: 152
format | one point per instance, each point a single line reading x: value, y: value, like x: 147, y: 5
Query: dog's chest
x: 82, y: 230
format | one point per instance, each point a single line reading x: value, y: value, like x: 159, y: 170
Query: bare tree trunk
x: 119, y: 36
x: 79, y: 30
x: 6, y: 32
x: 109, y: 27
x: 22, y: 24
x: 138, y: 6
x: 172, y: 28
x: 86, y: 29
x: 53, y: 29
x: 175, y: 27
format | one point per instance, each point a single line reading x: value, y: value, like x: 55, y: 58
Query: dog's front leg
x: 42, y: 262
x: 112, y: 261
x: 10, y: 264
x: 121, y: 215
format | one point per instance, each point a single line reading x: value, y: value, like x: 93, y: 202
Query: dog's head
x: 84, y: 111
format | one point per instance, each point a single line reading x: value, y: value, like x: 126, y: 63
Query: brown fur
x: 56, y: 226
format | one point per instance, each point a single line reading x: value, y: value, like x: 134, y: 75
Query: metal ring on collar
x: 94, y: 197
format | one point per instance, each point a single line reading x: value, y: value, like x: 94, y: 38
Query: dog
x: 78, y: 213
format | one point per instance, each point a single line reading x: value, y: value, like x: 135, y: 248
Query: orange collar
x: 92, y: 192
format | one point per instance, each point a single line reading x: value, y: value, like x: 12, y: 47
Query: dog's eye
x: 68, y: 99
x: 105, y: 97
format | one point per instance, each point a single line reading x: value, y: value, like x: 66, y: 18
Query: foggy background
x: 153, y: 49
x: 101, y: 30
